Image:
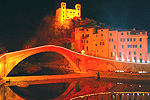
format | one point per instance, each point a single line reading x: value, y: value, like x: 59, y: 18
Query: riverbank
x: 122, y: 76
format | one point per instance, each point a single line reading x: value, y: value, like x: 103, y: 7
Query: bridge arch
x: 13, y: 58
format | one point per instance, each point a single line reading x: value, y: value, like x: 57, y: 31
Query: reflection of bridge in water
x: 77, y: 87
x: 79, y: 62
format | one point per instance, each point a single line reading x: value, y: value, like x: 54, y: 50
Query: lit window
x: 122, y: 33
x: 140, y: 39
x: 113, y: 54
x: 140, y: 46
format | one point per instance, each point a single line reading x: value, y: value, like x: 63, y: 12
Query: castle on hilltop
x: 64, y: 15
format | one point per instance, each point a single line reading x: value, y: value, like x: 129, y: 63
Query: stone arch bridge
x: 79, y: 62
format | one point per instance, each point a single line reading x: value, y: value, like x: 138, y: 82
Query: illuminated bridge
x: 79, y: 62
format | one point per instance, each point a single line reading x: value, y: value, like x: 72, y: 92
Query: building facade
x: 64, y: 14
x: 124, y: 45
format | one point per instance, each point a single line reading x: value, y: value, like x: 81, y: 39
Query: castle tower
x: 65, y: 15
x: 78, y: 10
x: 63, y: 11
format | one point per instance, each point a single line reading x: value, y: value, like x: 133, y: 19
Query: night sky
x: 19, y: 18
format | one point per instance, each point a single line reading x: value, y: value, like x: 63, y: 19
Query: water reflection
x: 71, y: 88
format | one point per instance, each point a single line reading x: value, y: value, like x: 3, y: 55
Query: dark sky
x: 20, y: 18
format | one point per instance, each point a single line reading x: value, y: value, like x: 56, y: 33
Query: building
x: 64, y: 15
x: 125, y: 45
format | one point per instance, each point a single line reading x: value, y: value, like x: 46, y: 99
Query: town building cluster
x: 124, y: 45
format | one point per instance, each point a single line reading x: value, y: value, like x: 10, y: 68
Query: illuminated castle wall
x: 64, y: 14
x: 125, y: 45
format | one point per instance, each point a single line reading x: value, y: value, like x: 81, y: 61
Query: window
x: 140, y: 54
x: 87, y: 35
x: 109, y: 40
x: 103, y: 43
x: 113, y: 54
x: 122, y: 33
x: 134, y: 39
x: 130, y: 39
x: 134, y: 52
x: 95, y: 44
x: 128, y: 46
x: 100, y: 43
x: 101, y: 30
x: 87, y: 41
x: 127, y: 33
x: 101, y: 34
x: 123, y: 39
x: 114, y: 46
x: 140, y: 45
x: 112, y: 40
x: 127, y: 39
x: 135, y: 46
x: 122, y: 46
x: 87, y: 30
x: 87, y: 48
x: 82, y: 35
x: 140, y: 39
x: 120, y: 39
x: 110, y: 34
x: 119, y: 54
x: 83, y: 47
x: 129, y: 52
x: 81, y: 41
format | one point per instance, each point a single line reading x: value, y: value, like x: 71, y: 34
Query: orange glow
x: 124, y: 45
x: 65, y: 15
